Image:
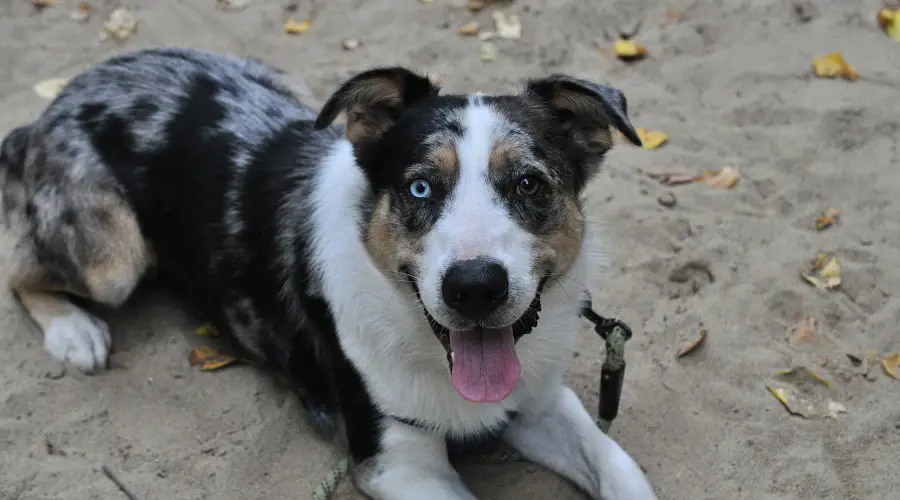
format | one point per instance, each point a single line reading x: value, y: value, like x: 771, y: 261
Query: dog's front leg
x: 410, y: 464
x: 565, y: 439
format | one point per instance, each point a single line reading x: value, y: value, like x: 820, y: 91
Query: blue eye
x: 420, y: 188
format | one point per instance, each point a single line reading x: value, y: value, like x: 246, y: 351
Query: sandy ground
x: 731, y: 85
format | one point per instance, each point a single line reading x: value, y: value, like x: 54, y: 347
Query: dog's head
x: 476, y: 200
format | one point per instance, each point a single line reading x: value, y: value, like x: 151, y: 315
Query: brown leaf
x: 82, y: 13
x: 673, y: 177
x: 692, y: 345
x: 476, y: 5
x: 200, y: 354
x: 673, y: 16
x: 806, y: 331
x: 828, y: 219
x: 801, y: 405
x: 43, y: 3
x: 469, y: 29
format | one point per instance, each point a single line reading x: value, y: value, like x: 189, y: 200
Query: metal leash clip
x: 612, y: 376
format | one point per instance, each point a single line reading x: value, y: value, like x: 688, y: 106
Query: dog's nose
x: 475, y: 288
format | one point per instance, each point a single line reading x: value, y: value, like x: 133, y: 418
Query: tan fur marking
x: 561, y: 247
x: 113, y: 277
x: 387, y: 240
x: 445, y: 159
x: 502, y: 158
x: 381, y: 236
x: 588, y: 112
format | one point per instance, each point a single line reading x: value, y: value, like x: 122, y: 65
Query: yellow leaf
x: 207, y: 330
x: 121, y: 24
x: 48, y: 89
x: 825, y: 273
x: 834, y: 66
x: 507, y: 26
x: 652, y: 139
x: 209, y: 358
x: 891, y: 365
x: 673, y: 177
x: 629, y: 50
x: 780, y: 395
x: 724, y: 179
x: 469, y: 29
x: 293, y: 27
x: 692, y: 345
x: 806, y: 331
x: 796, y: 403
x: 200, y: 354
x: 827, y: 219
x: 217, y: 362
x: 889, y: 20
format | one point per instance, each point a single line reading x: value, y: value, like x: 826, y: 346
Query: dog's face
x: 475, y: 200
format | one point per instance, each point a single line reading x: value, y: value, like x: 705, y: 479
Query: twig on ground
x: 112, y: 477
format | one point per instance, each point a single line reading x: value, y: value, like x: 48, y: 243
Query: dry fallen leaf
x: 507, y: 26
x: 673, y: 177
x: 889, y: 20
x: 825, y: 273
x: 806, y: 331
x: 209, y: 358
x: 692, y: 345
x: 652, y: 139
x: 293, y: 27
x: 891, y: 365
x: 233, y: 5
x: 476, y: 5
x: 49, y: 88
x: 798, y: 372
x: 801, y: 405
x: 488, y: 51
x: 207, y: 330
x: 827, y: 219
x: 629, y: 50
x: 469, y: 29
x: 43, y: 3
x: 726, y: 178
x: 673, y: 16
x: 834, y: 66
x: 82, y: 13
x: 121, y: 24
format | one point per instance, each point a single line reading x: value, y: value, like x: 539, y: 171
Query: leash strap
x: 612, y: 375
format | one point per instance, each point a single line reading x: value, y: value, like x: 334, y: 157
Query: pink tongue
x: 485, y: 366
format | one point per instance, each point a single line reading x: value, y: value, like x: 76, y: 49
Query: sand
x: 730, y: 84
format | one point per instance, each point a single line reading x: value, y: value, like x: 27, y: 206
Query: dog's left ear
x: 586, y: 108
x: 374, y: 100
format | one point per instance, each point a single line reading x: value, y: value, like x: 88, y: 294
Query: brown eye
x: 529, y: 185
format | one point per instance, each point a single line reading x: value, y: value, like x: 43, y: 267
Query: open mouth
x: 484, y: 367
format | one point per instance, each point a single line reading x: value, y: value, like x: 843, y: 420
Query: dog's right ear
x: 374, y: 100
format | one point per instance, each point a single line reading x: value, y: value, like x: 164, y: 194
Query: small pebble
x: 350, y: 44
x: 667, y: 199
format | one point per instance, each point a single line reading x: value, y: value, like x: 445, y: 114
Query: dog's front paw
x: 625, y: 481
x: 80, y: 340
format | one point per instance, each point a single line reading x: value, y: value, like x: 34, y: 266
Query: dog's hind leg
x: 72, y: 240
x: 565, y: 439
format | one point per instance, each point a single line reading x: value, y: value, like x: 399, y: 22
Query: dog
x: 416, y: 269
